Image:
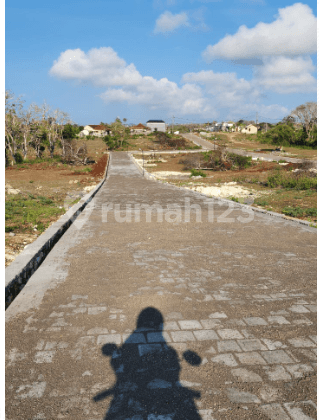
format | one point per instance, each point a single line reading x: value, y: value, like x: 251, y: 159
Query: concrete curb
x: 26, y: 263
x: 224, y: 200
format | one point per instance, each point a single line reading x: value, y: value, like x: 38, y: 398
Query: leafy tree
x: 281, y: 135
x: 69, y: 131
x: 119, y: 136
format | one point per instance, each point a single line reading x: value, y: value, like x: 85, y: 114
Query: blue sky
x: 199, y: 60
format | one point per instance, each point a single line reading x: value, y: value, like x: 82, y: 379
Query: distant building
x: 139, y: 128
x: 156, y: 125
x: 95, y: 130
x: 250, y: 129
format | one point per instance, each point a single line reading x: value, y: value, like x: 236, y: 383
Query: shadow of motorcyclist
x: 147, y: 375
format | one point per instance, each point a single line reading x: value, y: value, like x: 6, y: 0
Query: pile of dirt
x: 99, y: 168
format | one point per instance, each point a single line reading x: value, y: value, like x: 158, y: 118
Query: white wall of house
x: 92, y: 132
x: 156, y: 126
x: 250, y: 129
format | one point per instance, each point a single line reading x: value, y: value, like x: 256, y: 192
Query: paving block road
x: 160, y: 303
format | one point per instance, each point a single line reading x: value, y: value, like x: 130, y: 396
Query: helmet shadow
x: 147, y: 373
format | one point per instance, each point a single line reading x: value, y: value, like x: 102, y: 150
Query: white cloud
x: 101, y: 67
x: 167, y: 22
x: 160, y: 94
x: 226, y: 89
x: 205, y: 93
x: 286, y: 75
x: 294, y: 32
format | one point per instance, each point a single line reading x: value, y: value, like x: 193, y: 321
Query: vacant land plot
x: 39, y: 192
x: 249, y: 142
x: 154, y: 141
x: 283, y: 188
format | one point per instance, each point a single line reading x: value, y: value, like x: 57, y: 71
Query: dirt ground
x: 63, y: 184
x: 248, y: 142
x: 147, y: 142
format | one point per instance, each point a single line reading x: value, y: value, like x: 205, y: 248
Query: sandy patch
x: 171, y: 174
x: 228, y: 189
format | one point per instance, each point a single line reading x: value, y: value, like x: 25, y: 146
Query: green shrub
x: 196, y: 172
x: 18, y: 157
x: 242, y: 162
x: 291, y: 181
x: 299, y: 212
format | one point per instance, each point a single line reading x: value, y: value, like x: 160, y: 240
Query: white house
x: 139, y: 128
x: 156, y: 125
x: 95, y: 130
x: 250, y: 129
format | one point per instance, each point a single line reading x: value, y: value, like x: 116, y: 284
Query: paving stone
x: 297, y: 413
x: 273, y: 345
x: 251, y: 345
x: 96, y: 310
x: 34, y: 390
x: 276, y: 356
x: 251, y: 358
x: 97, y: 331
x: 50, y: 345
x: 274, y: 412
x: 281, y: 320
x: 190, y: 325
x: 299, y: 370
x: 179, y: 346
x: 278, y: 295
x: 270, y: 394
x: 218, y: 315
x: 255, y: 321
x: 245, y: 375
x: 229, y: 334
x: 312, y: 308
x: 280, y: 312
x: 299, y: 309
x: 309, y: 354
x: 206, y: 414
x: 136, y: 338
x: 210, y: 323
x: 109, y: 338
x: 301, y: 342
x: 277, y: 373
x: 172, y: 325
x: 302, y: 321
x: 205, y: 335
x: 237, y: 396
x: 158, y: 337
x: 227, y: 345
x: 182, y: 336
x: 225, y: 359
x: 44, y: 356
x: 248, y: 334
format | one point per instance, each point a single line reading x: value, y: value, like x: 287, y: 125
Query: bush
x: 242, y: 162
x: 292, y: 181
x: 196, y: 172
x: 299, y: 212
x: 18, y: 157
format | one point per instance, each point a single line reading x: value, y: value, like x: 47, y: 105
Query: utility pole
x: 256, y: 118
x: 173, y: 124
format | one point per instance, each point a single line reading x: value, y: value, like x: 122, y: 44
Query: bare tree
x: 13, y: 107
x: 307, y: 115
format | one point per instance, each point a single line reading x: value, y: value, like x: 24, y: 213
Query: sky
x: 191, y: 60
